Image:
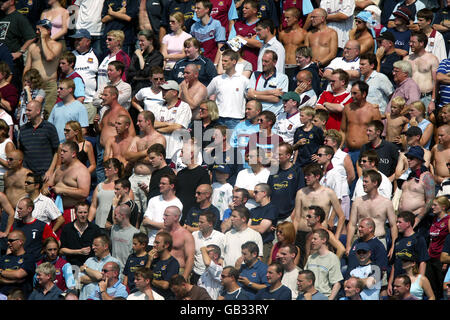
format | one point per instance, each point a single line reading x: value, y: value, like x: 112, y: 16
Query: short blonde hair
x: 398, y: 101
x: 309, y: 111
x: 118, y: 35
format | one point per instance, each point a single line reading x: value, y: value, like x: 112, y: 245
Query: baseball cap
x: 362, y: 246
x: 45, y: 23
x: 170, y: 85
x: 81, y: 33
x: 291, y: 95
x: 387, y: 35
x: 404, y: 13
x: 223, y: 168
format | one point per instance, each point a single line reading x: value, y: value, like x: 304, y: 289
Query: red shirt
x: 247, y: 31
x: 438, y: 233
x: 335, y: 118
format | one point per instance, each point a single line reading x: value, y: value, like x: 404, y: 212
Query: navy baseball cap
x: 45, y: 23
x: 362, y: 246
x: 81, y: 33
x: 222, y: 168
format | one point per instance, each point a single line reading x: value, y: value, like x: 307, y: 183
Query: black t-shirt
x: 388, y: 154
x: 194, y: 214
x: 134, y: 217
x: 71, y: 239
x: 187, y: 182
x: 154, y: 181
x: 387, y: 64
x: 269, y: 212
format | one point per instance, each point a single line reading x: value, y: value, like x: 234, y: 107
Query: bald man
x: 15, y: 177
x: 183, y: 248
x: 349, y: 62
x: 203, y: 195
x: 116, y: 146
x: 192, y: 91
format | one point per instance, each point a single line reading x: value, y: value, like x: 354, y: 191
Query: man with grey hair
x: 46, y: 289
x: 406, y: 86
x: 264, y: 217
x: 122, y: 233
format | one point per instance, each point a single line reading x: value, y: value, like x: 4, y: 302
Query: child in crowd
x: 320, y: 118
x: 307, y: 139
x: 137, y: 259
x: 222, y: 193
x: 395, y: 121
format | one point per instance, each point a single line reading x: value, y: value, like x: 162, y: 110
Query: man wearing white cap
x: 172, y: 116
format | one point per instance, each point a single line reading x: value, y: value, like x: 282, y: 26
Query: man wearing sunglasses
x: 16, y: 267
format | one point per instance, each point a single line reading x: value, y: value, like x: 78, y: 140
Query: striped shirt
x: 38, y: 145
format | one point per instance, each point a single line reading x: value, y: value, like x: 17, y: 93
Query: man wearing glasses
x: 17, y: 267
x: 110, y: 286
x: 45, y: 208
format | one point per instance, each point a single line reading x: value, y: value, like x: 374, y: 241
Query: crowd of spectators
x: 224, y: 150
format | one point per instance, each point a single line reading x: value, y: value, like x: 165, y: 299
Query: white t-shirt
x: 216, y: 237
x: 385, y: 188
x: 181, y: 115
x: 222, y: 196
x: 90, y: 16
x: 230, y: 94
x: 3, y: 154
x: 86, y: 66
x: 155, y: 212
x: 150, y: 99
x: 248, y: 180
x: 211, y: 281
x: 285, y: 126
x: 233, y: 242
x: 290, y: 280
x: 141, y: 296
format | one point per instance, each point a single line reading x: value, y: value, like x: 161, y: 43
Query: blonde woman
x: 114, y: 43
x: 417, y: 114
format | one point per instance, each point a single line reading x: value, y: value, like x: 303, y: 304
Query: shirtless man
x: 440, y: 154
x: 361, y: 33
x: 314, y: 194
x: 183, y: 248
x: 106, y: 126
x: 418, y: 189
x: 71, y: 180
x: 424, y: 66
x: 357, y: 115
x: 323, y: 40
x: 15, y: 177
x: 117, y: 145
x: 292, y: 37
x: 44, y: 56
x: 192, y: 91
x: 137, y: 155
x: 375, y: 206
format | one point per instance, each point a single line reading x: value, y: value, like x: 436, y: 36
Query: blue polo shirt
x: 276, y: 81
x: 256, y: 274
x: 117, y: 290
x: 282, y: 293
x: 207, y: 70
x: 240, y: 136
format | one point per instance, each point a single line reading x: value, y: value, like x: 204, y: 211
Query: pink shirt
x: 175, y: 44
